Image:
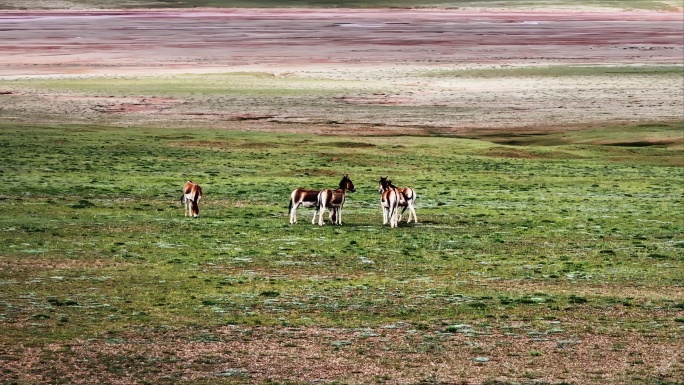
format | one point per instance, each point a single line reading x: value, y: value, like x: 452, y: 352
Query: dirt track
x: 389, y: 48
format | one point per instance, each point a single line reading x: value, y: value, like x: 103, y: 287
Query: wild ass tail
x: 393, y: 203
x: 322, y: 196
x: 195, y: 199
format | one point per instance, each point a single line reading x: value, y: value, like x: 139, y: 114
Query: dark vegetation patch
x: 226, y: 145
x: 83, y: 204
x: 507, y: 152
x: 528, y: 153
x: 348, y: 144
x: 643, y: 135
x: 633, y: 142
x: 312, y: 172
x: 645, y: 143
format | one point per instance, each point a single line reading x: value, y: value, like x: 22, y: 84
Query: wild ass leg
x: 412, y: 210
x: 401, y: 214
x: 394, y: 209
x: 293, y: 213
x: 322, y: 197
x: 195, y: 208
x: 408, y: 220
x: 394, y: 217
x: 338, y: 214
x: 320, y: 216
x: 188, y: 209
x: 313, y: 219
x: 384, y: 214
x: 292, y: 208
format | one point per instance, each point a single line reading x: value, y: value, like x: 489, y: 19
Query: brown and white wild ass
x: 407, y: 200
x: 306, y: 198
x: 333, y: 200
x: 192, y: 193
x: 389, y: 202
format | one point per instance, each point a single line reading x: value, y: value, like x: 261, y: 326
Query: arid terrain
x: 454, y: 71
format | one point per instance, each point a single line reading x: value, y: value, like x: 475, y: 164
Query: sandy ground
x: 390, y: 49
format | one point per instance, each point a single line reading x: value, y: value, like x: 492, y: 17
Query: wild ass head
x: 347, y: 184
x: 384, y: 183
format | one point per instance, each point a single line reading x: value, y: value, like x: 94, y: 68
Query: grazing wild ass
x: 389, y: 202
x: 333, y: 200
x: 192, y: 193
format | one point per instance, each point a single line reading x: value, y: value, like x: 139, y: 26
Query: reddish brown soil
x: 36, y: 42
x: 376, y: 45
x: 395, y: 354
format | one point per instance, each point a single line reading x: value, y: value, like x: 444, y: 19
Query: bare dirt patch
x: 396, y: 71
x: 133, y: 105
x: 35, y: 263
x: 260, y: 354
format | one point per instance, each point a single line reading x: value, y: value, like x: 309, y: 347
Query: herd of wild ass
x: 391, y: 199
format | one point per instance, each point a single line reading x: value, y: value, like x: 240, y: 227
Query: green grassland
x: 228, y: 84
x: 93, y: 242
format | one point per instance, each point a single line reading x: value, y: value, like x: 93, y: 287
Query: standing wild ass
x: 389, y: 202
x: 304, y: 197
x: 407, y: 200
x: 307, y: 198
x: 333, y: 200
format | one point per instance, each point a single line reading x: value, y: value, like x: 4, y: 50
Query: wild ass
x: 306, y: 198
x: 333, y: 200
x: 192, y: 193
x: 389, y: 202
x: 407, y: 200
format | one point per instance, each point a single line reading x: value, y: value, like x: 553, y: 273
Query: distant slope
x: 663, y: 5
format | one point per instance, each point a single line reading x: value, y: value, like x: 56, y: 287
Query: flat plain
x: 545, y: 145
